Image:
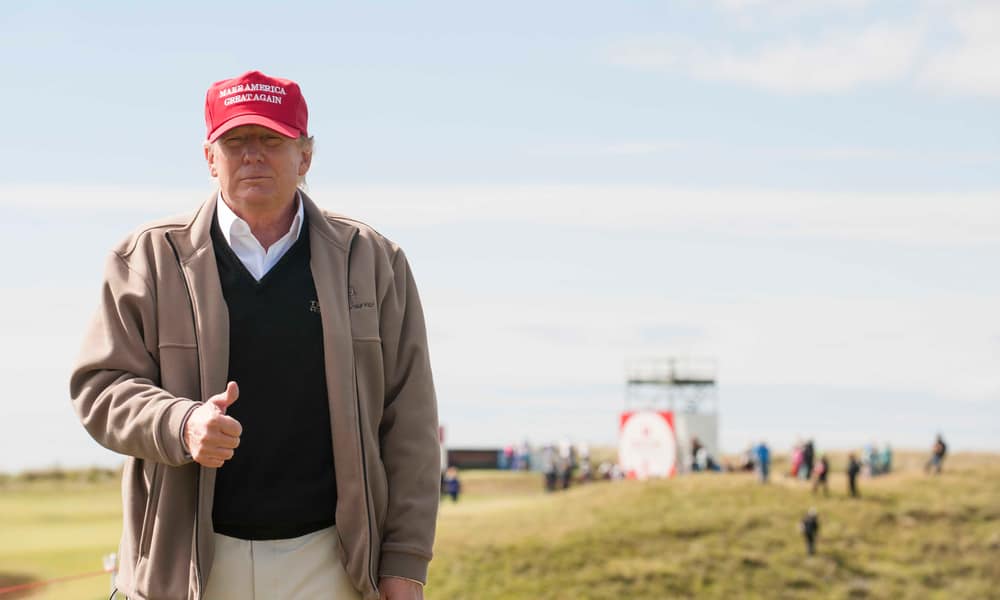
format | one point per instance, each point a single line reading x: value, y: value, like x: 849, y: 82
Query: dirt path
x: 9, y: 580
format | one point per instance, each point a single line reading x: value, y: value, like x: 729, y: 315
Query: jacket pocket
x: 364, y: 318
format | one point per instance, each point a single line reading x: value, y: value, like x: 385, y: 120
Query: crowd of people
x: 873, y: 463
x: 563, y: 464
x: 807, y: 464
x: 515, y: 457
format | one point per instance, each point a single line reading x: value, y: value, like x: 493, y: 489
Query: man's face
x: 257, y: 167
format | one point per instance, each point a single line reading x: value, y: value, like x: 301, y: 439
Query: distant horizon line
x: 900, y: 451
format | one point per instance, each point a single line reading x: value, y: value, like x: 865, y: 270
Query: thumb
x: 223, y: 401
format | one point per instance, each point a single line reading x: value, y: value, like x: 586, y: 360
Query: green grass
x: 708, y: 536
x: 58, y: 528
x: 725, y: 536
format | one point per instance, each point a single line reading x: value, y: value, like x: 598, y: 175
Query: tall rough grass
x: 726, y: 536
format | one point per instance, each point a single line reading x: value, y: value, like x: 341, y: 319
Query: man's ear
x: 307, y: 157
x: 210, y: 159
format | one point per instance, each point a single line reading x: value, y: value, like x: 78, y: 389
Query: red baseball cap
x: 253, y: 98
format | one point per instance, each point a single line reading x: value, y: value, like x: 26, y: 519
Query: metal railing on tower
x: 677, y: 384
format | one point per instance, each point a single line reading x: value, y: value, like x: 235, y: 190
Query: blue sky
x: 806, y: 190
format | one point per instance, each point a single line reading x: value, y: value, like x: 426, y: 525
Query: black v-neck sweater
x: 280, y: 482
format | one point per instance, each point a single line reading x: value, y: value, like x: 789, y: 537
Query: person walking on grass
x: 810, y: 530
x: 853, y: 469
x: 763, y: 460
x: 822, y: 470
x: 885, y: 459
x: 796, y: 460
x: 263, y: 365
x: 452, y: 484
x: 937, y: 456
x: 808, y: 460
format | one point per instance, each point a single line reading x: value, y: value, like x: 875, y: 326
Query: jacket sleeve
x: 410, y: 448
x: 115, y: 382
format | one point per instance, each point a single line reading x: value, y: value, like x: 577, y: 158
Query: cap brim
x: 261, y: 120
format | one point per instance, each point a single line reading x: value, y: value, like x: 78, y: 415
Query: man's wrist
x: 184, y: 421
x: 403, y: 565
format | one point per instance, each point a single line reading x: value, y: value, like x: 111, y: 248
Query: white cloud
x: 719, y: 152
x: 908, y: 218
x: 620, y: 148
x: 85, y: 199
x: 939, y: 343
x: 835, y: 62
x: 970, y: 65
x: 971, y: 218
x: 786, y: 7
x: 947, y: 47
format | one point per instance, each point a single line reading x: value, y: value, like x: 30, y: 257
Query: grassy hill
x: 725, y: 536
x: 706, y: 536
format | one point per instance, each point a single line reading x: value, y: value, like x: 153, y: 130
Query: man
x: 695, y: 449
x: 808, y: 456
x: 822, y: 472
x: 937, y: 456
x: 763, y: 461
x: 264, y: 366
x: 885, y: 459
x: 853, y: 469
x: 810, y: 529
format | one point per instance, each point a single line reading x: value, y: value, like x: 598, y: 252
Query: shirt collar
x: 230, y: 223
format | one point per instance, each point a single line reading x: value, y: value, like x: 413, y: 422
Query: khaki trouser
x: 305, y: 568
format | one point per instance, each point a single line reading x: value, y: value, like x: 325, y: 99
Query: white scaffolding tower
x: 686, y: 387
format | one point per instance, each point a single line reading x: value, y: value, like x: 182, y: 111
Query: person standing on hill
x: 937, y: 456
x: 549, y: 468
x: 695, y: 449
x: 885, y: 459
x: 452, y: 484
x: 795, y: 462
x: 808, y: 458
x: 853, y: 469
x: 810, y: 530
x: 869, y: 465
x: 263, y: 364
x: 822, y: 470
x: 763, y: 461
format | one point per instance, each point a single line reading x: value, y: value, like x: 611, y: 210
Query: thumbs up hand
x: 225, y: 399
x: 210, y: 434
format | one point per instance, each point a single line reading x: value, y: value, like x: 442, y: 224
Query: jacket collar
x: 196, y: 234
x: 334, y: 229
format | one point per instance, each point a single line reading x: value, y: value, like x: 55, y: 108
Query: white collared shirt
x: 254, y: 257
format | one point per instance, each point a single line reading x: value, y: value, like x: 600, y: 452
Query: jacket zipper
x: 361, y: 441
x: 364, y: 476
x: 201, y: 383
x: 146, y: 536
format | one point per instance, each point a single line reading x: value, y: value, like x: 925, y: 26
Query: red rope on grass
x: 34, y: 584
